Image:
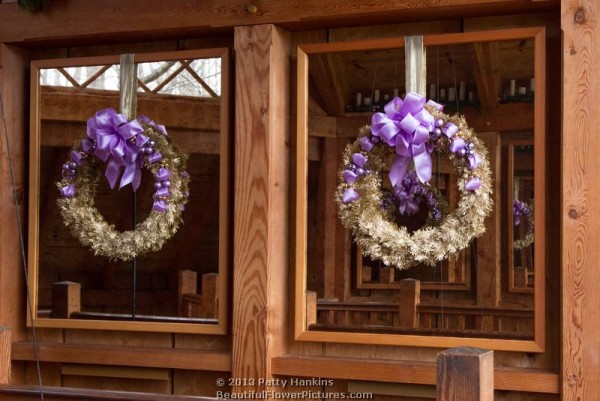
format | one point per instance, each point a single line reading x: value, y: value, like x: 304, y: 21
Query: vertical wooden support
x: 14, y: 80
x: 5, y: 355
x: 520, y: 273
x: 210, y: 295
x: 311, y: 308
x: 489, y: 243
x: 580, y: 195
x: 465, y: 374
x: 409, y: 298
x: 66, y: 299
x: 261, y: 200
x: 386, y: 275
x: 188, y: 284
x: 367, y: 274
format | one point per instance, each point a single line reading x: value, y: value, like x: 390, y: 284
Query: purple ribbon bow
x: 406, y: 125
x: 118, y: 143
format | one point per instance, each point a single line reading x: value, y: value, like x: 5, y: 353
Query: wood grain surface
x: 261, y: 199
x: 580, y: 196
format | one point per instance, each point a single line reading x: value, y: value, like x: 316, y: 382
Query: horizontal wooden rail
x: 32, y: 393
x: 512, y: 379
x: 471, y: 310
x: 420, y: 331
x: 174, y: 358
x: 141, y: 318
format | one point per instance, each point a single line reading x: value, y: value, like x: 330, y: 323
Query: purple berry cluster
x: 411, y: 192
x: 521, y: 210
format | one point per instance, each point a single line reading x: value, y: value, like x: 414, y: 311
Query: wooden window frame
x: 224, y: 197
x: 301, y: 332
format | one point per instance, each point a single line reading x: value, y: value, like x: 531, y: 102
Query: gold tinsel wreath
x: 529, y: 237
x: 88, y: 225
x: 382, y: 239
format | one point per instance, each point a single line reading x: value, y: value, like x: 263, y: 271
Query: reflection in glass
x: 181, y: 283
x: 462, y: 296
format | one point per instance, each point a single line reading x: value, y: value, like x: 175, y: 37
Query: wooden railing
x: 408, y: 312
x: 193, y: 307
x: 463, y: 374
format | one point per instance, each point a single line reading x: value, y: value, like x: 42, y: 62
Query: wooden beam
x: 465, y: 374
x: 417, y: 372
x: 113, y: 18
x: 485, y: 61
x: 580, y: 196
x: 328, y: 83
x: 488, y: 245
x: 5, y: 355
x: 67, y: 133
x: 13, y: 81
x: 70, y: 104
x: 173, y: 358
x: 32, y: 393
x: 261, y: 200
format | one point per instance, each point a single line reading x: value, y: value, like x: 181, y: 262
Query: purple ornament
x: 77, y: 157
x: 158, y: 185
x: 359, y: 159
x: 439, y: 123
x: 450, y: 130
x: 163, y: 173
x: 155, y: 157
x: 366, y: 144
x: 350, y: 176
x: 160, y: 206
x: 360, y: 171
x: 473, y: 184
x: 166, y: 183
x: 349, y: 196
x: 163, y: 193
x: 68, y: 191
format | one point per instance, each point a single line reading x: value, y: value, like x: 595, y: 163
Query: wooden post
x: 465, y: 374
x: 386, y: 275
x: 367, y: 274
x: 520, y: 273
x: 261, y: 259
x: 188, y: 284
x: 580, y: 193
x: 210, y: 295
x: 4, y: 355
x: 66, y: 299
x: 311, y: 308
x: 409, y: 298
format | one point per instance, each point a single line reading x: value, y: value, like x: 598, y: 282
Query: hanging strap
x: 416, y: 65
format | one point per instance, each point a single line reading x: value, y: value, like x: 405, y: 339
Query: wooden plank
x: 66, y: 299
x: 261, y: 200
x: 580, y: 196
x: 416, y: 372
x: 112, y: 17
x: 13, y: 81
x: 465, y: 374
x: 179, y: 358
x: 486, y: 74
x: 188, y: 284
x: 489, y: 243
x: 32, y: 393
x: 516, y: 379
x: 409, y: 298
x: 5, y: 338
x: 127, y: 372
x: 69, y: 104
